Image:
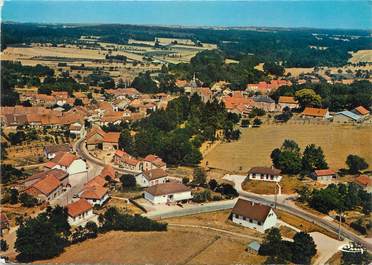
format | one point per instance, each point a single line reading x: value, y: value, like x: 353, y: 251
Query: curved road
x: 83, y: 152
x: 329, y: 226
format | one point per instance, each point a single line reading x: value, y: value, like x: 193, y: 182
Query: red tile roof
x: 288, y: 100
x: 361, y: 110
x: 325, y: 172
x: 47, y: 185
x: 76, y: 208
x: 155, y: 174
x: 363, y: 180
x: 314, y: 112
x: 111, y: 137
x: 94, y: 192
x: 64, y: 159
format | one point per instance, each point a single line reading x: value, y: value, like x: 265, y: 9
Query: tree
x: 78, y: 102
x: 289, y: 162
x: 257, y: 122
x: 313, y: 158
x: 37, y: 238
x: 58, y: 217
x: 273, y: 68
x: 128, y: 181
x: 308, y: 98
x: 126, y: 141
x: 212, y: 184
x: 3, y: 245
x: 13, y: 196
x: 272, y: 243
x: 200, y: 177
x: 349, y: 258
x: 92, y: 229
x: 356, y: 164
x: 303, y: 248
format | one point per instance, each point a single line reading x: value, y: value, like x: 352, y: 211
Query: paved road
x: 282, y: 205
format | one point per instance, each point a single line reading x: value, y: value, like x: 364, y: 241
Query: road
x: 292, y: 209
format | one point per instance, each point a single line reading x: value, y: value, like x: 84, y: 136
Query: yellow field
x: 177, y: 246
x: 256, y: 144
x: 361, y: 56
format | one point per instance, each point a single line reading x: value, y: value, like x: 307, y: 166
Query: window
x: 259, y: 223
x: 250, y: 220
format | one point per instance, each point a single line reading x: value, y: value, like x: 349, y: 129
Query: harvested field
x: 361, y: 56
x: 176, y: 246
x: 255, y: 146
x: 298, y: 71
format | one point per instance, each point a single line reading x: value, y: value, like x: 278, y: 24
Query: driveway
x: 326, y: 247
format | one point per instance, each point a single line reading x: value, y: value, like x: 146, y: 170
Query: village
x: 79, y: 150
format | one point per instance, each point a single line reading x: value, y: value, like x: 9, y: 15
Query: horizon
x: 291, y: 14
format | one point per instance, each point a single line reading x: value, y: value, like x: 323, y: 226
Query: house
x: 67, y: 162
x: 362, y: 111
x: 132, y: 164
x: 264, y: 102
x: 253, y: 215
x: 365, y: 182
x: 324, y: 175
x: 96, y: 181
x: 151, y: 177
x: 152, y: 162
x: 346, y: 117
x: 45, y: 189
x: 4, y: 223
x: 205, y: 93
x: 79, y: 212
x: 111, y: 141
x: 108, y: 172
x: 61, y: 175
x: 167, y: 192
x: 264, y: 174
x: 287, y: 102
x: 119, y: 155
x: 95, y: 195
x: 94, y: 138
x: 77, y: 129
x: 51, y: 150
x: 315, y: 113
x: 266, y: 88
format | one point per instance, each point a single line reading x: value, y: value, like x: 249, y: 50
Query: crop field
x: 256, y: 144
x: 176, y: 246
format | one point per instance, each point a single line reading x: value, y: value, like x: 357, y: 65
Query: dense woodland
x: 289, y: 46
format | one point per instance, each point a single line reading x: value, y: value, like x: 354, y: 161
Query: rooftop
x: 76, y: 208
x: 167, y: 188
x: 251, y: 210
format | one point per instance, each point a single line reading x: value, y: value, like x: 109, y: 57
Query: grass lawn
x: 288, y: 184
x: 256, y: 144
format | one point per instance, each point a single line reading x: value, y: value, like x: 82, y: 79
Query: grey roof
x: 350, y: 115
x: 263, y: 98
x: 254, y: 245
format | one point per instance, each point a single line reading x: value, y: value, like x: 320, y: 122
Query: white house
x: 264, y: 174
x: 324, y: 175
x: 95, y: 195
x: 151, y: 177
x: 67, y: 162
x: 253, y: 215
x: 167, y: 193
x: 79, y: 212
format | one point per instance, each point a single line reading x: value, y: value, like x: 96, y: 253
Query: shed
x: 253, y: 247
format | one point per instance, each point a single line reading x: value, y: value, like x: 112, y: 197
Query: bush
x: 27, y: 200
x: 358, y: 226
x: 3, y: 245
x: 185, y: 180
x: 227, y: 190
x: 202, y: 196
x: 128, y: 181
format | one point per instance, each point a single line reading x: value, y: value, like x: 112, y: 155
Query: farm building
x: 365, y: 182
x: 79, y: 212
x: 346, y: 117
x: 289, y: 102
x: 315, y: 113
x: 324, y: 175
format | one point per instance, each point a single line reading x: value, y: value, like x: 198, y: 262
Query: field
x: 361, y: 56
x: 176, y: 246
x: 256, y: 144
